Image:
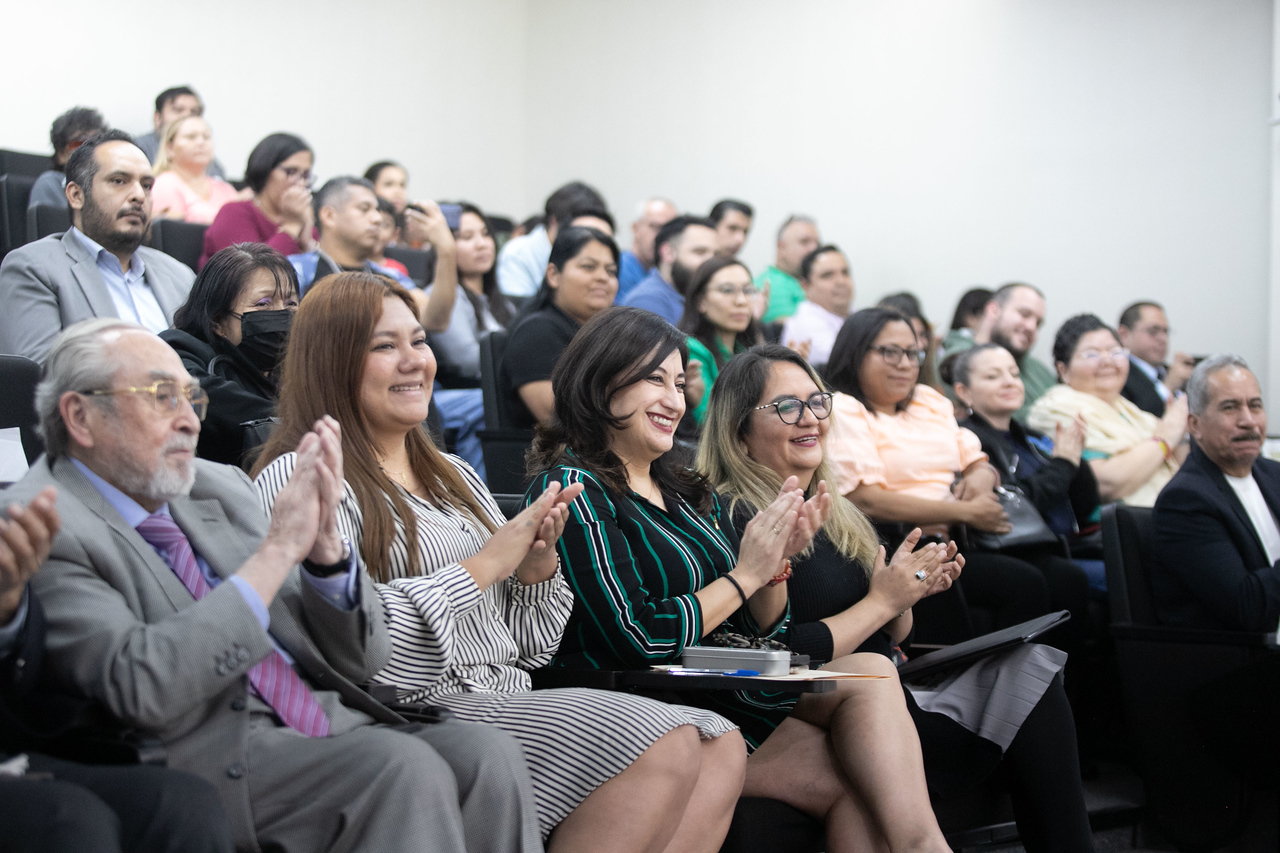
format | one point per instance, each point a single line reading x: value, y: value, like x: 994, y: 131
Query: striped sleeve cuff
x: 459, y: 586
x: 536, y: 594
x: 691, y: 609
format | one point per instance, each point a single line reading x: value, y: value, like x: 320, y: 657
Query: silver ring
x: 921, y: 575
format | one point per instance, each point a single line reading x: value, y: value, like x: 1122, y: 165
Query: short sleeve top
x: 171, y: 196
x: 532, y: 351
x: 915, y: 452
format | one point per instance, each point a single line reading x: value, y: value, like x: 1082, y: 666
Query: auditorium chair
x: 421, y: 263
x: 15, y: 192
x: 503, y: 444
x: 45, y: 219
x: 24, y: 163
x: 1193, y: 797
x: 183, y: 241
x: 18, y: 379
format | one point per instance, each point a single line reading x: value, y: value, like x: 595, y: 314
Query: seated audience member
x: 967, y: 319
x: 350, y: 225
x: 158, y: 594
x: 682, y: 245
x: 580, y: 282
x: 898, y: 453
x: 99, y: 267
x: 1012, y: 318
x: 391, y: 182
x: 528, y: 225
x: 719, y: 320
x: 1144, y: 331
x: 279, y: 214
x: 828, y: 299
x: 907, y: 304
x: 1217, y: 543
x: 387, y: 233
x: 1049, y: 471
x: 779, y: 286
x: 171, y: 105
x: 522, y: 263
x: 639, y: 259
x: 656, y: 566
x: 426, y: 527
x: 183, y: 189
x: 733, y: 224
x: 55, y: 805
x: 69, y: 131
x: 230, y: 336
x: 592, y: 217
x: 1132, y: 453
x: 769, y: 422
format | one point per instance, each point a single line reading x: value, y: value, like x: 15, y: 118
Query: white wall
x: 434, y: 84
x: 1105, y: 150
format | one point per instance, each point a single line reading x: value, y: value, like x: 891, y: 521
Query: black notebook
x: 980, y: 647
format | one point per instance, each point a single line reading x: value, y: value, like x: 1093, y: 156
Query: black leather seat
x: 24, y: 163
x: 503, y: 444
x: 181, y: 240
x: 15, y: 192
x: 421, y: 263
x: 45, y: 219
x: 18, y: 379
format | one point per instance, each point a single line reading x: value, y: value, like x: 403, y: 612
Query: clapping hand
x: 26, y: 537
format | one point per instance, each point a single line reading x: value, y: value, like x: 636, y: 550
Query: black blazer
x: 1141, y: 391
x: 1056, y: 481
x: 1210, y: 569
x: 238, y: 393
x: 30, y: 713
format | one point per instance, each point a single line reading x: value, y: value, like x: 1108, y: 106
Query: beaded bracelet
x: 1164, y: 446
x: 783, y: 575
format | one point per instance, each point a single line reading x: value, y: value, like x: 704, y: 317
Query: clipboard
x: 980, y: 647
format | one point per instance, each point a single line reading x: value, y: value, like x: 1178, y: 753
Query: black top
x: 532, y: 351
x: 1210, y: 567
x: 1141, y: 391
x: 238, y: 393
x: 1055, y: 486
x: 30, y: 713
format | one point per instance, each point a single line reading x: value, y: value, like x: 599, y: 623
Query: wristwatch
x: 333, y: 568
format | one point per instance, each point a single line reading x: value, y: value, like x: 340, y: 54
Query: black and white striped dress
x: 471, y: 650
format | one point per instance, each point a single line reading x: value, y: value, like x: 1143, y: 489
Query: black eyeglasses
x: 893, y: 355
x: 791, y: 410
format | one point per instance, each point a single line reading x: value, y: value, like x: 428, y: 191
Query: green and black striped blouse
x: 634, y: 569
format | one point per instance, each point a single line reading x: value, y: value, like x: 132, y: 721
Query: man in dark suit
x: 1216, y: 536
x: 241, y: 641
x: 51, y: 805
x: 1144, y: 331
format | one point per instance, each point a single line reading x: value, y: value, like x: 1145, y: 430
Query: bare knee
x: 673, y: 760
x: 724, y: 759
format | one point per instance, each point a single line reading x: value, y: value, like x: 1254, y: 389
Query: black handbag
x: 1029, y: 527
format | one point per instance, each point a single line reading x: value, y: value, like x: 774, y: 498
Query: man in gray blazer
x: 172, y: 601
x: 98, y: 268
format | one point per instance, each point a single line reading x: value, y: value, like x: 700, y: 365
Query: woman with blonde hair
x: 182, y: 189
x: 474, y: 603
x: 767, y: 423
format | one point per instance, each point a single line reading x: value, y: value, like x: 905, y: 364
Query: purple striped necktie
x: 272, y: 679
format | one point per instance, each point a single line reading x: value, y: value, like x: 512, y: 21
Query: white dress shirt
x: 1264, y: 520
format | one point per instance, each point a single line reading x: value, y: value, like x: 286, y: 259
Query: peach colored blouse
x: 916, y: 452
x: 170, y: 192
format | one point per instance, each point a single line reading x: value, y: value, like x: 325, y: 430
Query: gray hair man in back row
x: 240, y: 641
x: 99, y: 267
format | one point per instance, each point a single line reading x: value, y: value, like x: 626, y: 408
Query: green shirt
x: 710, y: 370
x: 1037, y: 377
x: 785, y: 293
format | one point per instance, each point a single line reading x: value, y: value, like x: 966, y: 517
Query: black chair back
x: 18, y: 379
x: 15, y: 192
x: 509, y: 504
x: 497, y: 412
x: 421, y: 263
x: 183, y: 241
x: 24, y: 163
x: 45, y: 219
x: 1127, y: 550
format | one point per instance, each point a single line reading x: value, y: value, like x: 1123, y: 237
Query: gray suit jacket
x: 54, y: 282
x: 124, y: 631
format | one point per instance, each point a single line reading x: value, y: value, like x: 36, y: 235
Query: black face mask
x: 263, y: 335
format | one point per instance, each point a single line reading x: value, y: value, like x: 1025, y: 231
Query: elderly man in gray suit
x: 175, y: 603
x: 98, y: 268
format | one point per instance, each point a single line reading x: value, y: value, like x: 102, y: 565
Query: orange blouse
x: 916, y: 452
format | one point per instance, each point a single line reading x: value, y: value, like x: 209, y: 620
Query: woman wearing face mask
x: 231, y: 335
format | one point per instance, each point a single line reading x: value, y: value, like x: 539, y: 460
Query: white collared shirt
x: 129, y: 290
x: 1264, y: 520
x: 1154, y: 375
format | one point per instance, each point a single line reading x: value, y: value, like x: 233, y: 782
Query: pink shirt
x: 916, y: 452
x: 171, y: 193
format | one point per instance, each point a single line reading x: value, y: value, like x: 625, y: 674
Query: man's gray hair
x: 77, y: 362
x: 1198, y: 384
x: 334, y: 193
x: 644, y: 205
x: 792, y: 220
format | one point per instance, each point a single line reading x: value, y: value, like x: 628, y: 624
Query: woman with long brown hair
x: 474, y: 603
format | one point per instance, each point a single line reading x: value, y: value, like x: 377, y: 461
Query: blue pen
x: 685, y: 671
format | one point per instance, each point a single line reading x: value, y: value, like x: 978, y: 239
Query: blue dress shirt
x: 630, y: 273
x: 129, y: 290
x: 654, y: 294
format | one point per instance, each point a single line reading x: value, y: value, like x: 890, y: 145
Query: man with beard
x: 174, y: 603
x: 682, y: 245
x: 1012, y: 318
x: 98, y: 268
